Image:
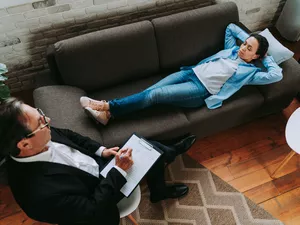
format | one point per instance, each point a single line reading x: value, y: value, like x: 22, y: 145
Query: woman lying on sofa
x: 210, y: 82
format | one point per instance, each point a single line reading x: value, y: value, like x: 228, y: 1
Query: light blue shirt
x: 246, y: 73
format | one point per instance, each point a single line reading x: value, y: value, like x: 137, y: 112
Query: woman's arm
x: 232, y: 33
x: 273, y: 75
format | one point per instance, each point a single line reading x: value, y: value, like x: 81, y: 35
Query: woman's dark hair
x: 12, y: 128
x: 263, y: 44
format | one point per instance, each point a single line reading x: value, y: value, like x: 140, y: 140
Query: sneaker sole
x: 90, y: 115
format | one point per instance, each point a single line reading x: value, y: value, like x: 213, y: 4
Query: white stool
x: 292, y: 132
x: 127, y: 205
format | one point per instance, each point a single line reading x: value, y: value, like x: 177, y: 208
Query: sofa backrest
x: 186, y: 38
x: 107, y: 57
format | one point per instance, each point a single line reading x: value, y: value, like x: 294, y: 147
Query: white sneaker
x: 93, y: 104
x: 98, y: 116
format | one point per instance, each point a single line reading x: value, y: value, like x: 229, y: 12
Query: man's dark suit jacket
x: 56, y: 193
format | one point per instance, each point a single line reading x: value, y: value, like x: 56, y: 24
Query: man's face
x: 248, y: 49
x: 34, y: 121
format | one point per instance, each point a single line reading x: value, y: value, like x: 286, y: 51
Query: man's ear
x: 24, y: 144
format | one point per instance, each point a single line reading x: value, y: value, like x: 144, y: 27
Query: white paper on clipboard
x: 143, y: 156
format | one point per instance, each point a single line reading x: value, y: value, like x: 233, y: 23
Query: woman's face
x: 248, y: 49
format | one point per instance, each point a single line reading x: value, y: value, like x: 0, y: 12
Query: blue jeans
x: 182, y: 89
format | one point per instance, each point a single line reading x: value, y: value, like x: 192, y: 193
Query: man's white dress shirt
x: 63, y: 154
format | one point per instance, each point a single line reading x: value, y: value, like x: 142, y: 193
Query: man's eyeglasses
x: 42, y: 126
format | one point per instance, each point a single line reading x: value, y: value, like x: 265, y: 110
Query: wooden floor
x: 245, y: 157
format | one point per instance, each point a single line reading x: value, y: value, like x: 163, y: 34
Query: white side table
x: 292, y: 134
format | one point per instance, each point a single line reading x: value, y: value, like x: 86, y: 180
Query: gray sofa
x: 120, y: 61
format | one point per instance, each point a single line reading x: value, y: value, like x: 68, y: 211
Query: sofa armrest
x: 241, y: 25
x: 283, y: 92
x: 291, y: 75
x: 55, y: 74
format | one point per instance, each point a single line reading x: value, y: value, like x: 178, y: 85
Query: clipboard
x: 144, y: 155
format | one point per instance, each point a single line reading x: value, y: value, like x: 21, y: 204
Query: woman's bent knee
x: 155, y: 96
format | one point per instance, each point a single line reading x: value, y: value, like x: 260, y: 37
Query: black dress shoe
x: 172, y: 191
x: 183, y: 145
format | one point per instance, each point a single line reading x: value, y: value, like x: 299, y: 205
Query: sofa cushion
x: 159, y: 122
x: 61, y: 104
x: 186, y: 38
x: 239, y: 108
x: 108, y: 57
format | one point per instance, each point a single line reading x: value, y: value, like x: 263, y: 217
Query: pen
x: 122, y: 155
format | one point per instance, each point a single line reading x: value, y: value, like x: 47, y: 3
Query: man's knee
x: 169, y: 153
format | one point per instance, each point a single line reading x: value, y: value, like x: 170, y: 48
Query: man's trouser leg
x: 156, y: 175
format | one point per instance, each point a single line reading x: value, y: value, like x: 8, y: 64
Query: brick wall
x: 26, y: 30
x: 258, y: 14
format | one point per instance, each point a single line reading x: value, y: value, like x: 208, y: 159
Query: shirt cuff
x: 121, y: 171
x: 99, y: 151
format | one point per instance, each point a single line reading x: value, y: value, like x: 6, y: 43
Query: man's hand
x: 109, y: 152
x: 124, y: 159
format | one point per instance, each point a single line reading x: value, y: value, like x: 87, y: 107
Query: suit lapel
x: 62, y: 139
x: 59, y: 138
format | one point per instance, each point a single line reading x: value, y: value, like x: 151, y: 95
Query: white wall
x: 257, y: 14
x: 8, y: 3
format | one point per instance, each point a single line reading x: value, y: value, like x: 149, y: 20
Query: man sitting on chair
x: 54, y: 173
